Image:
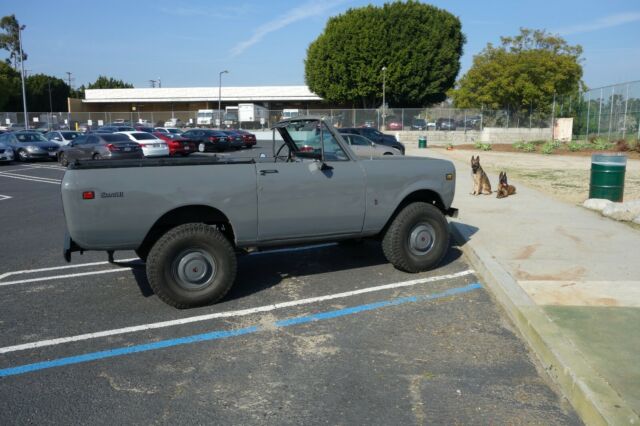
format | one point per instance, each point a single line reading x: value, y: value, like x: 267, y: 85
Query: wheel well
x: 188, y: 214
x: 424, y: 196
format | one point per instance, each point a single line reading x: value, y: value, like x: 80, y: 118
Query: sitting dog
x: 481, y: 184
x: 504, y: 189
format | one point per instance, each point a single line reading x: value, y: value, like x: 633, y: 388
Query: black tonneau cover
x: 157, y: 162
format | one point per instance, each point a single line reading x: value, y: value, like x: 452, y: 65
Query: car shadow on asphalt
x: 263, y: 270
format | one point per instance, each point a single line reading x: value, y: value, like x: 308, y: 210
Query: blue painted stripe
x: 224, y: 334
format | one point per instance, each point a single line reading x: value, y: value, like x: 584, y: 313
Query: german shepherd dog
x: 504, y: 189
x: 481, y: 184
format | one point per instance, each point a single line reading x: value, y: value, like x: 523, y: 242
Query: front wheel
x: 417, y: 239
x: 191, y: 265
x: 22, y: 155
x: 64, y: 162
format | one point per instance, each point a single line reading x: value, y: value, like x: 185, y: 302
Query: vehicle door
x: 88, y: 147
x: 362, y: 146
x: 303, y: 198
x: 72, y: 149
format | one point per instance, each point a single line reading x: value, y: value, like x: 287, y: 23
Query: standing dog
x: 481, y: 184
x: 504, y: 189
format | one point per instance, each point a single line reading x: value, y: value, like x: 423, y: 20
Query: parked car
x: 364, y: 147
x: 235, y: 139
x: 6, y: 153
x: 14, y: 127
x: 394, y: 125
x: 248, y: 138
x: 375, y: 136
x: 143, y: 127
x: 445, y: 124
x: 178, y: 145
x: 30, y: 145
x: 62, y: 137
x: 151, y: 145
x: 419, y: 124
x: 97, y: 146
x: 168, y: 130
x: 173, y: 122
x: 113, y: 129
x: 368, y: 123
x: 41, y: 126
x: 207, y: 140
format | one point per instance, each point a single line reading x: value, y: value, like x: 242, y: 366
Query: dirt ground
x: 563, y: 150
x: 565, y: 177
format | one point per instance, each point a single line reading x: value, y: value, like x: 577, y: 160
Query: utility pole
x: 384, y: 101
x: 24, y: 93
x: 69, y: 102
x: 220, y: 97
x: 159, y: 83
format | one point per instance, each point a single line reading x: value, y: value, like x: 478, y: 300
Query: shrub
x: 601, y: 144
x: 486, y: 147
x: 548, y: 148
x: 528, y: 147
x: 518, y: 145
x: 478, y: 145
x: 574, y: 146
x: 622, y: 145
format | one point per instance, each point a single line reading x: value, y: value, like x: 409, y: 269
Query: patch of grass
x: 486, y: 147
x: 478, y: 145
x: 518, y: 145
x: 539, y: 142
x: 528, y: 147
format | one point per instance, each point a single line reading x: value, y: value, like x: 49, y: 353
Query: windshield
x: 69, y: 135
x: 359, y: 140
x: 175, y: 131
x: 143, y: 136
x: 311, y: 135
x: 115, y: 138
x: 30, y: 137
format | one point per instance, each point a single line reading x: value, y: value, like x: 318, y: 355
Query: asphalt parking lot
x: 319, y: 334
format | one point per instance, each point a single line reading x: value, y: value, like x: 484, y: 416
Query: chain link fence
x: 611, y: 112
x: 390, y: 119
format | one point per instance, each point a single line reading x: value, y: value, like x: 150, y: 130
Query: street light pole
x: 220, y: 96
x: 384, y: 99
x: 24, y: 93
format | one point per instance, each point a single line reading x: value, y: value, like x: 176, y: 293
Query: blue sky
x: 186, y: 43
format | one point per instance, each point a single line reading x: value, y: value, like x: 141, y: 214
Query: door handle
x: 264, y: 172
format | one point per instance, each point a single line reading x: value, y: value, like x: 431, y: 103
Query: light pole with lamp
x: 220, y: 96
x: 24, y: 93
x: 384, y: 99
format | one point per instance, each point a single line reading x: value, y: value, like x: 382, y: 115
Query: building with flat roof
x: 195, y: 98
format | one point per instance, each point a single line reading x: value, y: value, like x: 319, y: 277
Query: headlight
x: 32, y: 148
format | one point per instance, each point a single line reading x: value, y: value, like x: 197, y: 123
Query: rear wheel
x: 417, y: 239
x: 191, y: 265
x: 97, y: 156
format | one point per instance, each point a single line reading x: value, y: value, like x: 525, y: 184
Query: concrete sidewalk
x: 570, y: 280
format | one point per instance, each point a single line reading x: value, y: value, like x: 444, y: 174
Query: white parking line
x: 4, y: 197
x: 58, y: 277
x: 51, y: 167
x: 30, y: 178
x: 228, y: 314
x: 57, y: 268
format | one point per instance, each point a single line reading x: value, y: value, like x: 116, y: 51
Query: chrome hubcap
x: 421, y: 239
x: 194, y: 269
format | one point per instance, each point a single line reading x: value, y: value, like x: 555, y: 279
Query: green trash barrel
x: 422, y: 142
x: 607, y: 176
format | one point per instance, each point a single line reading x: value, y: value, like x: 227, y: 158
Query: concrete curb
x: 591, y: 396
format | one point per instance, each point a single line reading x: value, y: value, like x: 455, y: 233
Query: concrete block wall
x: 487, y: 135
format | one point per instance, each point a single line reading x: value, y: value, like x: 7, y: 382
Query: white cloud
x: 299, y: 13
x: 600, y: 24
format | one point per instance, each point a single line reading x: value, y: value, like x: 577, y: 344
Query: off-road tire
x: 164, y: 255
x: 396, y: 240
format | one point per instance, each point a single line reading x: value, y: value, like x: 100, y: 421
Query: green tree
x: 103, y: 82
x: 9, y: 89
x: 10, y: 39
x: 525, y: 71
x: 38, y: 86
x: 420, y: 46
